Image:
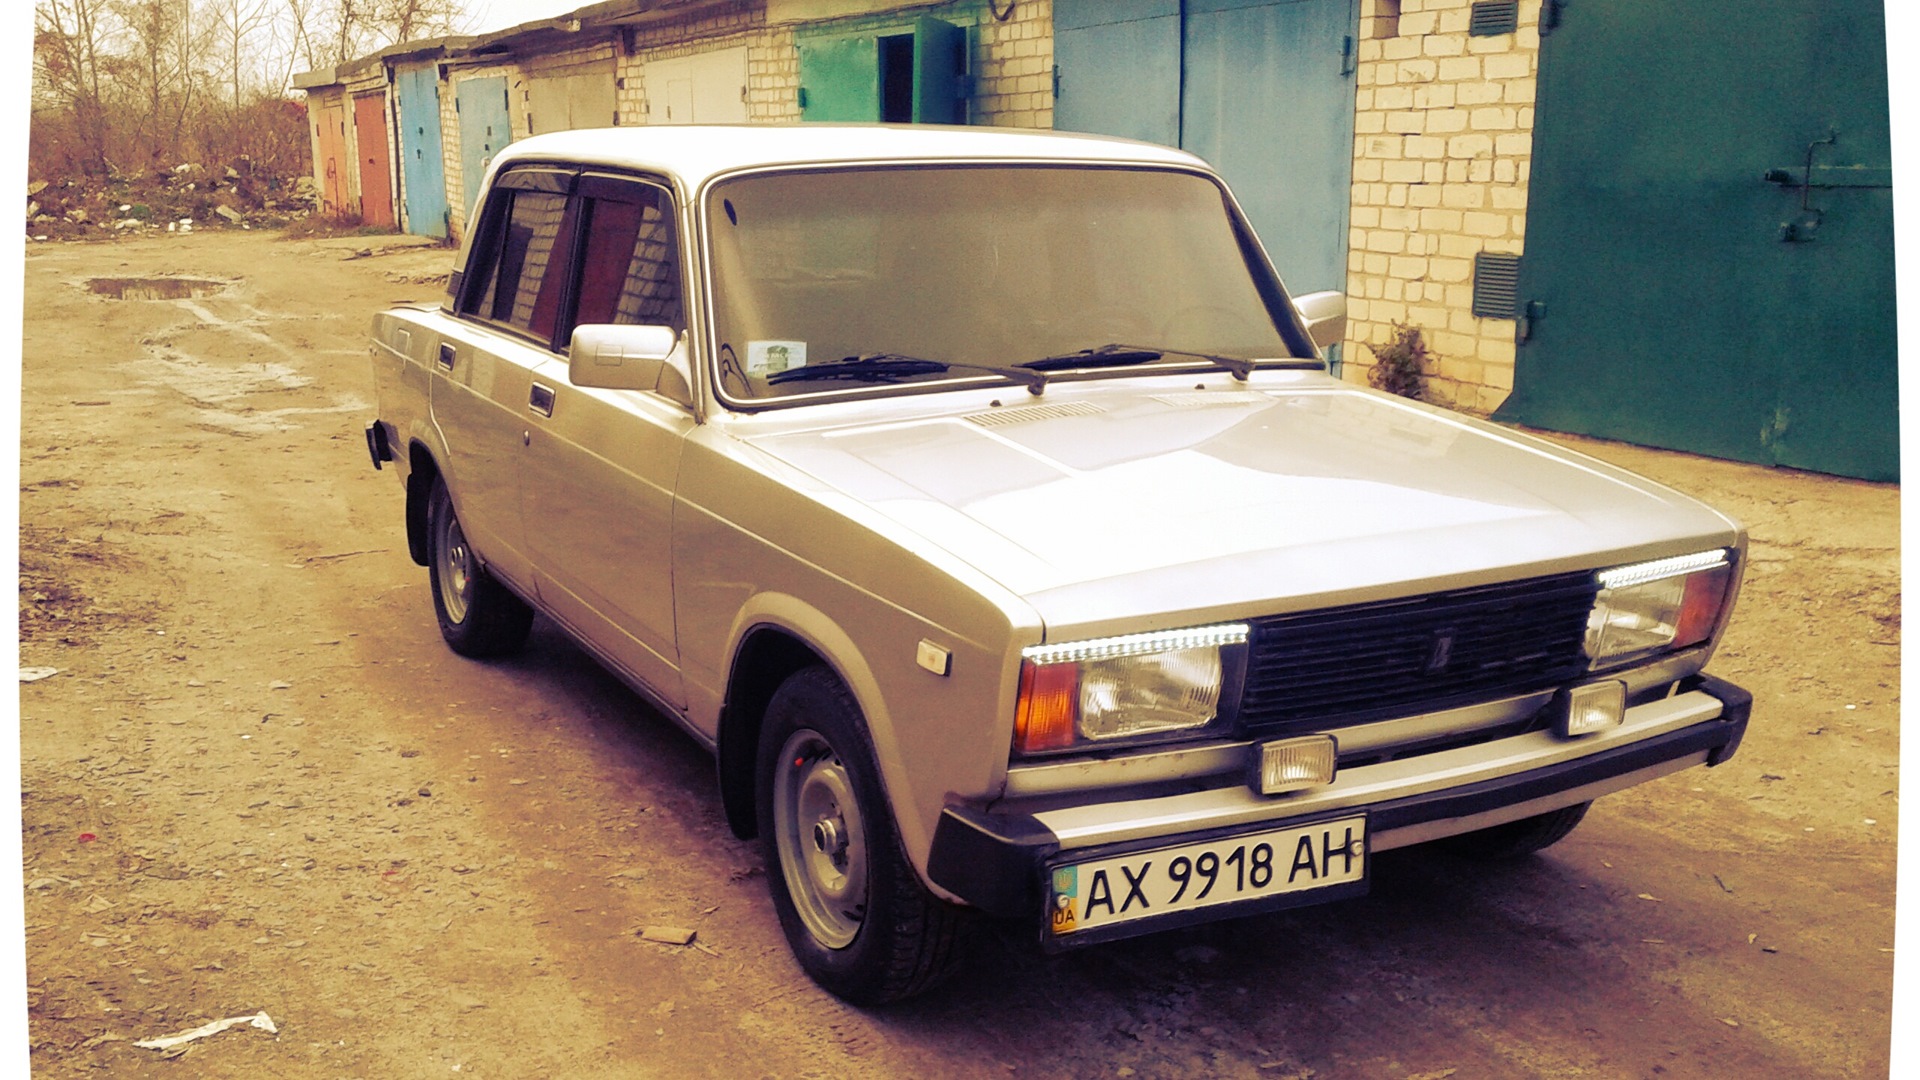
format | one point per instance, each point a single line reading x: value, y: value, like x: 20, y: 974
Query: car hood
x: 1117, y: 502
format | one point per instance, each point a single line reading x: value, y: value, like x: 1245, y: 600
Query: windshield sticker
x: 772, y: 357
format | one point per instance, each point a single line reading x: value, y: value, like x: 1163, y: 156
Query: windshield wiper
x: 883, y: 364
x: 1104, y: 356
x: 1118, y: 354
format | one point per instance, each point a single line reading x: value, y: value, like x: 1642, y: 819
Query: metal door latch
x: 1800, y: 230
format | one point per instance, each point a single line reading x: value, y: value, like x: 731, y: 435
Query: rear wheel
x: 1517, y: 839
x: 854, y: 912
x: 478, y: 616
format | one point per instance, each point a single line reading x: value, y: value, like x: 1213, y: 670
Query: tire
x: 479, y: 617
x: 856, y: 915
x: 1517, y: 839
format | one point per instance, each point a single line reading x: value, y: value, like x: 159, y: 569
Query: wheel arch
x: 422, y: 471
x: 771, y: 648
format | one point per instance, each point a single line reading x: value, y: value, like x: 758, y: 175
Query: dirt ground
x: 260, y: 783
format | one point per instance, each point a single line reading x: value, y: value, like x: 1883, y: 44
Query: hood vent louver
x: 1029, y: 413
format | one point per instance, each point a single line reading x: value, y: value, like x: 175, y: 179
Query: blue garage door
x: 1263, y: 89
x: 1119, y: 68
x: 484, y: 130
x: 423, y: 172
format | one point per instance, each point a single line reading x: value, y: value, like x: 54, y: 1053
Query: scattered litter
x: 167, y: 1042
x: 1653, y: 941
x: 1650, y: 896
x: 1871, y: 821
x: 279, y: 684
x: 1723, y: 885
x: 1729, y: 1021
x: 88, y: 838
x: 1751, y: 938
x: 668, y: 935
x: 1768, y: 949
x: 35, y: 674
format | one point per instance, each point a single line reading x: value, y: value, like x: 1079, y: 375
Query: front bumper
x: 995, y: 857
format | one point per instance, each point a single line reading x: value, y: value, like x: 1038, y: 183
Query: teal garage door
x: 1263, y: 89
x: 1709, y: 250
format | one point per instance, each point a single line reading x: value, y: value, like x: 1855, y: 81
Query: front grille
x: 1351, y: 665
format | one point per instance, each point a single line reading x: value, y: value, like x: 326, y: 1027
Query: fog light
x: 1294, y: 764
x: 1594, y: 707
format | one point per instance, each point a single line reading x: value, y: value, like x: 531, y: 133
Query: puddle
x: 154, y: 288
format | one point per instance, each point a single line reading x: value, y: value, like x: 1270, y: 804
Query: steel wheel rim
x: 456, y: 568
x: 821, y: 838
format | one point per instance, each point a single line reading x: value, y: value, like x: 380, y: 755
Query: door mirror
x: 620, y: 357
x: 1325, y: 314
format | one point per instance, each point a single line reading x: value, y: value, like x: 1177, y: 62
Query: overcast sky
x: 490, y: 15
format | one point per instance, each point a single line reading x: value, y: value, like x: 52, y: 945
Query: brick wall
x: 1443, y: 141
x: 773, y: 69
x: 1013, y: 67
x: 1011, y: 61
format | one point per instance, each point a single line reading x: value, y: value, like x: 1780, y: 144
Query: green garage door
x: 1709, y: 251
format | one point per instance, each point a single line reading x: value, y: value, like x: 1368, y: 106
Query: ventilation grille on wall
x: 1494, y: 17
x: 1496, y: 284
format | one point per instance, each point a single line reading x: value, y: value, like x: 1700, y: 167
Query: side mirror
x: 1325, y: 314
x: 616, y: 357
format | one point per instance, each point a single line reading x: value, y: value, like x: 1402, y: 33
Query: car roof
x: 696, y: 153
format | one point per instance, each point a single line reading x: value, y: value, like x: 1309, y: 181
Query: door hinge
x: 1347, y: 64
x: 1533, y: 312
x: 1550, y: 16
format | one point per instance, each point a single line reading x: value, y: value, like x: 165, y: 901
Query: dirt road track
x: 259, y: 782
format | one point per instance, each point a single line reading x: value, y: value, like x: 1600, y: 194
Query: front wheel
x: 1517, y: 839
x: 854, y: 912
x: 479, y: 617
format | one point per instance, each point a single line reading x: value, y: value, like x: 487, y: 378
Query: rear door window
x: 518, y: 278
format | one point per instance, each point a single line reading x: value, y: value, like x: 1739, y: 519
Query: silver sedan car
x: 981, y: 499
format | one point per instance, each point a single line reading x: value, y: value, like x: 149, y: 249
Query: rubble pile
x: 187, y: 197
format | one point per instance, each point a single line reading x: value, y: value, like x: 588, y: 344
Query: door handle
x: 540, y: 399
x: 446, y: 356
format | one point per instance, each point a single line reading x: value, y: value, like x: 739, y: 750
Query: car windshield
x: 964, y: 267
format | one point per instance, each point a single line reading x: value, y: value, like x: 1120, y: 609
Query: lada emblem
x: 1440, y: 651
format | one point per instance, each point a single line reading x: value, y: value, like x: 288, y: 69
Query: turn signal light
x: 1701, y: 607
x: 1049, y: 705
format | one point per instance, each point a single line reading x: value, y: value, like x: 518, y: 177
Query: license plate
x: 1147, y: 884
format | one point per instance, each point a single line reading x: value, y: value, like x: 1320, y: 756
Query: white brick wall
x: 1443, y: 142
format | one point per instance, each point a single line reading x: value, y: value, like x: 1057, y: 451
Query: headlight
x: 1120, y: 687
x: 1651, y: 606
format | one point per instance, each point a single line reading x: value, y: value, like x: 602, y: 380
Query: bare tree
x: 140, y: 84
x: 157, y: 68
x: 69, y: 46
x: 233, y: 27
